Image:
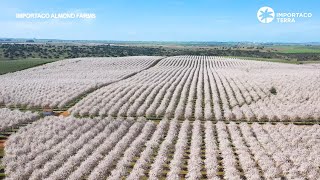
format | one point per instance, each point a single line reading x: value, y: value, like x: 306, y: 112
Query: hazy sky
x: 161, y: 20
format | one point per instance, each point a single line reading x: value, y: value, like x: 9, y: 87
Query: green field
x: 297, y: 49
x: 272, y: 60
x: 7, y: 66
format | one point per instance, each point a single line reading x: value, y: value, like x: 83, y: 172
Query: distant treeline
x: 59, y: 51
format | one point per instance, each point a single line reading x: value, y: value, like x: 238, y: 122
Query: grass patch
x: 7, y: 66
x: 2, y: 175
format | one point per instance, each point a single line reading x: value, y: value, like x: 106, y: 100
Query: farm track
x: 2, y: 144
x: 2, y: 175
x: 158, y: 119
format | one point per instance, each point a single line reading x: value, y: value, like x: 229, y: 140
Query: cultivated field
x: 11, y: 119
x: 58, y: 83
x: 69, y: 148
x: 180, y: 117
x: 211, y: 88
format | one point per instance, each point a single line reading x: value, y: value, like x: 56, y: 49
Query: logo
x: 265, y: 14
x: 55, y: 15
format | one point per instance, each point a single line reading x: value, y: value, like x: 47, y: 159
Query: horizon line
x: 167, y: 41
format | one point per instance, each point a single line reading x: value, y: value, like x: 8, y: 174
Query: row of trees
x: 43, y: 86
x: 70, y: 148
x: 199, y: 87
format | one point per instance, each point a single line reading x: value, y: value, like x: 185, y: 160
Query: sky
x: 161, y: 20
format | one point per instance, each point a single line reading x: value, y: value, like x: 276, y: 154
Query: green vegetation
x: 290, y: 61
x: 61, y: 51
x: 15, y: 57
x: 7, y: 66
x: 1, y: 153
x: 298, y: 49
x: 273, y: 91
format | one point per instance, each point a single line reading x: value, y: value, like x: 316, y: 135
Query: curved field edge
x: 83, y: 94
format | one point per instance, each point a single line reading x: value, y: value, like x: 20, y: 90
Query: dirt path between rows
x: 2, y: 144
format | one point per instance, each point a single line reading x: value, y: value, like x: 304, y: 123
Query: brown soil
x: 2, y: 144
